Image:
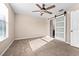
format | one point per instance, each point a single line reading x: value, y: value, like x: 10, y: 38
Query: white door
x: 60, y: 27
x: 75, y: 28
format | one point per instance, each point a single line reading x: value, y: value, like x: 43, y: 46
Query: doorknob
x: 71, y: 30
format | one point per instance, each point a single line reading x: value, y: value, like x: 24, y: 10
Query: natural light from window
x: 3, y: 22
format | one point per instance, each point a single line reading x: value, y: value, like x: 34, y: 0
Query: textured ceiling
x: 27, y: 8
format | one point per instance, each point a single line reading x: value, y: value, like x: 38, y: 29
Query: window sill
x: 3, y: 38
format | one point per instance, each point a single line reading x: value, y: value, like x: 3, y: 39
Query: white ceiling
x: 27, y: 8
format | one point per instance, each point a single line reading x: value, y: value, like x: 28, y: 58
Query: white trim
x: 20, y: 38
x: 67, y: 43
x: 6, y: 48
x: 29, y: 37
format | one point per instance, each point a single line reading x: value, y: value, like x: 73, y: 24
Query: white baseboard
x: 28, y: 38
x: 67, y: 43
x: 6, y: 48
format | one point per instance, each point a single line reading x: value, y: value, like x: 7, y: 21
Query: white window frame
x: 6, y: 20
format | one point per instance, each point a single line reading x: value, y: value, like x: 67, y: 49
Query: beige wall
x: 29, y: 27
x: 4, y: 44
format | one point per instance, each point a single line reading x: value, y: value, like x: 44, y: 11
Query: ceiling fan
x: 43, y: 9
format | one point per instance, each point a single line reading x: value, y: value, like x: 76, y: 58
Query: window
x: 3, y: 22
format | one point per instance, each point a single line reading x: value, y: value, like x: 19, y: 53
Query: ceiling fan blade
x: 38, y: 6
x: 50, y: 7
x: 43, y: 5
x: 41, y: 14
x: 48, y: 12
x: 36, y: 11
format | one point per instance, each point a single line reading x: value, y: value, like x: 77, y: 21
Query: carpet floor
x: 53, y: 48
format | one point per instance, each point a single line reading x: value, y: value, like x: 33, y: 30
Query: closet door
x: 75, y: 28
x: 60, y: 27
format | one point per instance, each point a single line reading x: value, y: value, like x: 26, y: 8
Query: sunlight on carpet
x: 38, y: 43
x: 47, y: 38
